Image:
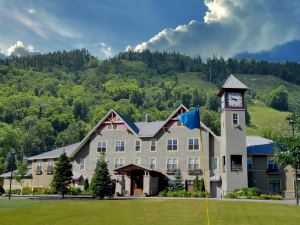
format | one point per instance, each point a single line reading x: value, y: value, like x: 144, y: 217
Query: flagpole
x: 204, y: 175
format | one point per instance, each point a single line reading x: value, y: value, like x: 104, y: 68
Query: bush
x: 163, y: 193
x: 88, y: 192
x: 75, y: 191
x: 14, y: 191
x: 27, y: 191
x: 231, y: 195
x: 2, y: 191
x: 276, y: 197
x: 43, y: 191
x: 182, y: 193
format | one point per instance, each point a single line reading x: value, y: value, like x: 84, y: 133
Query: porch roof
x: 132, y: 167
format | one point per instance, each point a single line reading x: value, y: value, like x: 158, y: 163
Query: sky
x: 106, y: 27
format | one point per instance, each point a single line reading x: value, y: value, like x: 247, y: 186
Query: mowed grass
x: 145, y: 212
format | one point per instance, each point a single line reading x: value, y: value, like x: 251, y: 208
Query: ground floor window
x: 171, y: 163
x: 193, y: 163
x: 236, y: 162
x: 274, y: 187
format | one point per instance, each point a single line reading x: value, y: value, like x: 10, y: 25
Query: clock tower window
x: 235, y: 119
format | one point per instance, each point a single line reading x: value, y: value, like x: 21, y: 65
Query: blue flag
x: 190, y: 119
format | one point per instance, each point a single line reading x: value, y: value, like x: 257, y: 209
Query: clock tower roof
x: 232, y: 83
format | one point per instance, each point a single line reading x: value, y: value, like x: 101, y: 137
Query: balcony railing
x: 194, y: 171
x: 273, y: 171
x: 171, y: 170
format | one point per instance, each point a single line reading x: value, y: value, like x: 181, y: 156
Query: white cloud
x: 230, y: 27
x: 129, y: 48
x: 18, y: 49
x: 105, y: 50
x: 30, y: 10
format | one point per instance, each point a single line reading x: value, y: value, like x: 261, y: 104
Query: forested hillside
x: 54, y: 99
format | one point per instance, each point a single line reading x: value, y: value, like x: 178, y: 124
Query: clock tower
x: 233, y: 153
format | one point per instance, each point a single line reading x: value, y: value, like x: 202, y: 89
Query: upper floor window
x: 120, y: 146
x: 172, y: 163
x: 81, y: 163
x: 272, y: 165
x: 153, y: 144
x: 193, y: 144
x: 152, y: 163
x: 119, y: 162
x: 250, y: 163
x: 102, y: 146
x: 137, y: 145
x: 50, y: 165
x: 236, y: 162
x: 39, y: 166
x: 214, y: 163
x: 137, y: 161
x: 172, y: 144
x: 112, y: 126
x: 235, y: 119
x: 193, y: 163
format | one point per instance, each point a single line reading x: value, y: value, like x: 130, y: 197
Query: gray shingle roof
x: 56, y: 152
x: 7, y: 175
x: 233, y: 83
x: 148, y: 129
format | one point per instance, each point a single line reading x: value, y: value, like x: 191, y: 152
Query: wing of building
x: 143, y: 156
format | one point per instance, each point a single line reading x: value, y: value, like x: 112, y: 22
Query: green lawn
x: 145, y: 212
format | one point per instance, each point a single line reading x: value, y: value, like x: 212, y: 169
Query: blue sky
x: 106, y: 27
x: 72, y: 24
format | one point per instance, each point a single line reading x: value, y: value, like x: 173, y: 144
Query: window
x: 274, y: 187
x: 137, y: 161
x: 179, y: 124
x: 112, y: 126
x: 50, y: 165
x: 153, y: 145
x: 193, y: 163
x: 152, y: 163
x: 223, y: 164
x: 81, y: 163
x: 236, y: 163
x: 102, y: 146
x: 120, y: 146
x: 214, y: 163
x: 39, y: 166
x: 172, y: 145
x: 272, y: 167
x: 250, y: 163
x: 235, y: 119
x: 171, y: 163
x: 137, y: 145
x: 193, y: 144
x: 119, y: 162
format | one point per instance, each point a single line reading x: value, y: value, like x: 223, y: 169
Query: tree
x: 101, y: 184
x: 196, y: 184
x: 62, y: 177
x: 213, y: 103
x: 178, y: 185
x: 20, y: 175
x: 279, y: 98
x: 288, y: 154
x: 86, y: 184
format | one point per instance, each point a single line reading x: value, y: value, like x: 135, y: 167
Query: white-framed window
x: 112, y: 126
x: 235, y: 119
x: 272, y: 165
x: 119, y: 162
x: 172, y: 144
x: 102, y: 146
x: 193, y: 144
x: 82, y: 163
x: 153, y: 145
x: 137, y: 161
x: 152, y: 163
x: 215, y: 163
x: 50, y: 165
x: 193, y: 163
x: 172, y: 163
x: 138, y: 145
x: 120, y: 146
x: 39, y: 165
x: 250, y: 163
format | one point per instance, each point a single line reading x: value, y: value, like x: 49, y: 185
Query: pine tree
x: 196, y: 184
x: 62, y: 175
x: 101, y: 184
x: 178, y: 180
x: 86, y: 184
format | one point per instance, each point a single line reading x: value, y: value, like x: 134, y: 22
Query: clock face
x: 235, y: 99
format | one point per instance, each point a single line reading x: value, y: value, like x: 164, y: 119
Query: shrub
x: 14, y: 191
x: 231, y: 195
x: 88, y: 192
x: 43, y: 191
x: 163, y: 193
x: 74, y: 190
x: 182, y: 193
x: 2, y: 191
x: 276, y: 197
x: 27, y: 191
x: 265, y: 196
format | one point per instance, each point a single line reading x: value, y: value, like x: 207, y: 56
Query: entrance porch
x: 134, y: 180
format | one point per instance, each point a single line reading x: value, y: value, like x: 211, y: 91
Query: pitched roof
x: 7, y: 175
x: 257, y: 145
x: 233, y: 83
x: 148, y: 129
x: 56, y: 152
